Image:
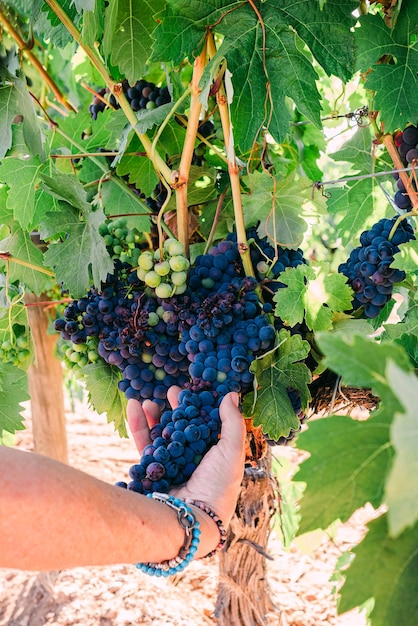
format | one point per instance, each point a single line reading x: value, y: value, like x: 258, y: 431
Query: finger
x: 233, y: 430
x: 138, y: 424
x: 152, y: 412
x: 173, y: 396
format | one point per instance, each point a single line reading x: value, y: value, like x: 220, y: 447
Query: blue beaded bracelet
x: 189, y: 523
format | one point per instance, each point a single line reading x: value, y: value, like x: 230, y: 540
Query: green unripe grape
x: 103, y: 229
x: 78, y: 347
x: 178, y: 279
x: 159, y: 374
x: 179, y: 263
x: 200, y: 149
x: 173, y: 247
x: 130, y: 237
x: 166, y: 316
x: 23, y: 354
x: 108, y: 239
x: 152, y: 279
x: 135, y: 254
x: 146, y: 261
x: 207, y: 283
x: 146, y: 357
x: 180, y: 289
x: 141, y: 274
x: 6, y: 346
x: 164, y: 290
x: 262, y: 267
x: 221, y: 377
x: 75, y: 357
x: 150, y: 105
x: 68, y: 352
x: 83, y: 361
x: 162, y: 268
x: 153, y: 319
x: 121, y: 233
x: 22, y: 341
x: 92, y: 356
x: 124, y: 257
x: 117, y: 249
x: 161, y: 312
x: 157, y: 255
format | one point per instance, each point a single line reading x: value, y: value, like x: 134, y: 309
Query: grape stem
x: 182, y: 181
x: 36, y: 63
x: 222, y: 101
x: 160, y: 166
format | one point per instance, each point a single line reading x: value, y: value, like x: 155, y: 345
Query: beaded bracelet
x: 189, y: 523
x: 221, y: 528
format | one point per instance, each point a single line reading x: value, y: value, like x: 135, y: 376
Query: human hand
x: 216, y: 480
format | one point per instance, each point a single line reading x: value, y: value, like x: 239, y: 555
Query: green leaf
x: 119, y: 200
x: 139, y: 169
x: 392, y: 55
x: 348, y: 462
x: 401, y: 492
x: 385, y: 569
x: 20, y: 246
x: 325, y: 31
x: 21, y: 177
x: 49, y: 26
x: 407, y: 258
x: 361, y: 362
x: 82, y: 249
x: 102, y: 383
x: 313, y: 295
x: 13, y: 391
x: 128, y: 35
x: 356, y: 201
x: 16, y: 101
x: 281, y: 215
x: 275, y: 373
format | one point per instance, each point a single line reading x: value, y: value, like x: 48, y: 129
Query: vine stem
x: 222, y: 101
x: 183, y: 174
x: 6, y: 256
x: 36, y: 63
x: 162, y: 169
x: 391, y: 148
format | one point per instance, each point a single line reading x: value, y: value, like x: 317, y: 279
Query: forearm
x: 71, y: 519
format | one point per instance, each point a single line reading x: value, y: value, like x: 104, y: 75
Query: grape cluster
x: 15, y: 352
x: 141, y: 95
x: 162, y: 324
x: 406, y: 142
x: 368, y: 267
x: 121, y: 242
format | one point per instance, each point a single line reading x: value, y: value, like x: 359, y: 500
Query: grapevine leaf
x: 407, y: 258
x: 402, y: 485
x: 355, y: 201
x: 119, y: 201
x: 93, y: 21
x: 348, y: 462
x: 13, y: 391
x: 275, y: 373
x: 408, y: 325
x: 280, y: 214
x: 16, y: 101
x: 128, y: 35
x: 392, y: 56
x: 385, y: 569
x: 139, y: 169
x: 326, y: 32
x: 49, y: 26
x: 21, y: 177
x: 312, y: 295
x: 82, y: 240
x: 346, y: 356
x: 104, y: 394
x: 20, y: 246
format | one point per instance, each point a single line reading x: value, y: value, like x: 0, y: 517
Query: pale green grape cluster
x: 77, y: 356
x: 15, y: 352
x: 166, y: 272
x: 121, y: 241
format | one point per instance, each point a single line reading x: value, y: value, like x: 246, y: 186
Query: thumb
x: 233, y: 431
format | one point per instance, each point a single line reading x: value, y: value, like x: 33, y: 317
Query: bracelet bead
x: 221, y: 528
